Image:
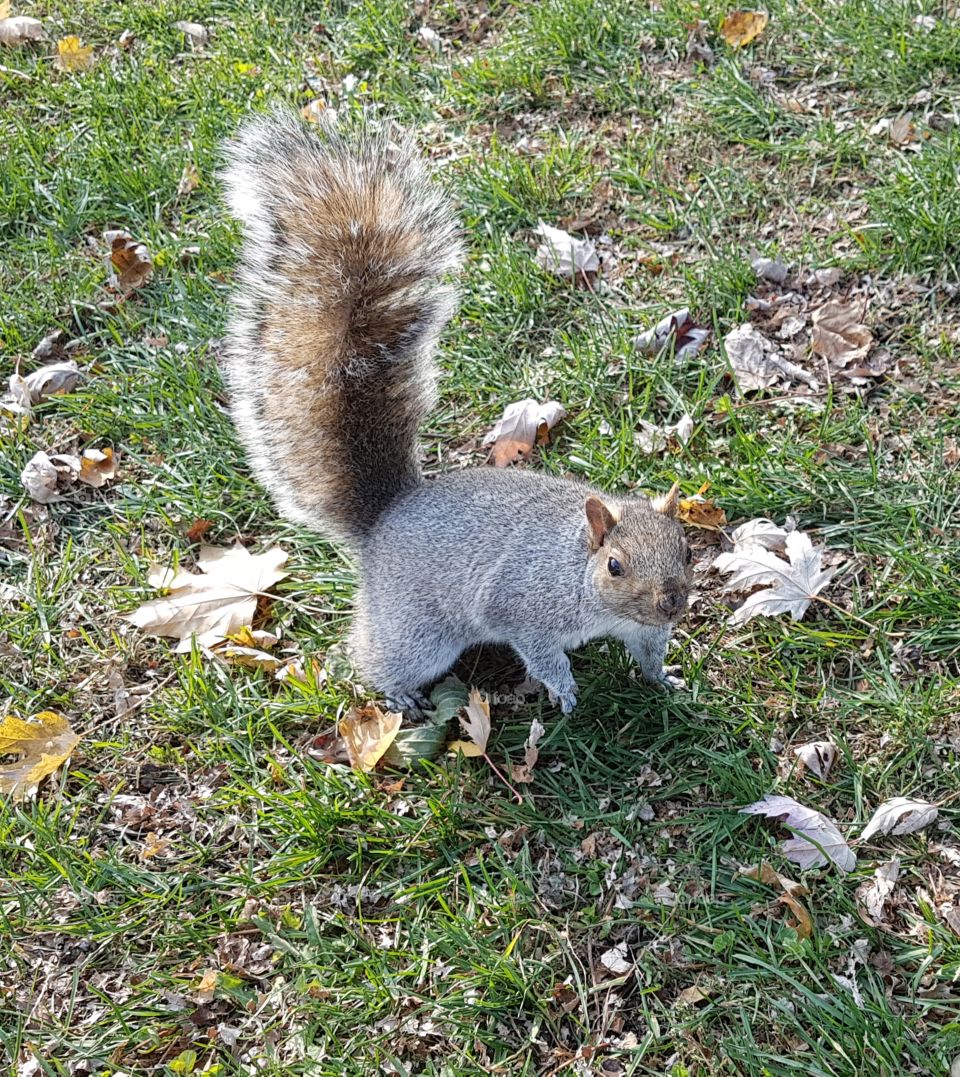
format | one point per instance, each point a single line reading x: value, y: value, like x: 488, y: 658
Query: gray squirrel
x: 343, y: 290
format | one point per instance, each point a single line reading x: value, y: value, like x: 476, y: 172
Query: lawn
x: 197, y: 889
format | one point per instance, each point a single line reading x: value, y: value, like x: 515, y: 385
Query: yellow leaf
x: 72, y: 56
x: 467, y: 748
x: 4, y: 9
x: 477, y: 723
x: 208, y: 984
x: 44, y: 743
x: 739, y: 28
x: 701, y: 512
x: 367, y: 734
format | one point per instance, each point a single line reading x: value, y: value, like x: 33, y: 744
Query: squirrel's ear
x: 669, y: 503
x: 601, y: 520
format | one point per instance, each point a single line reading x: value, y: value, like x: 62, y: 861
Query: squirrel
x: 343, y: 289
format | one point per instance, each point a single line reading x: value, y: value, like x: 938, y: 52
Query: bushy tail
x: 342, y: 294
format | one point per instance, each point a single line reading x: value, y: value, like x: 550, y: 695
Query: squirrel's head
x: 641, y: 560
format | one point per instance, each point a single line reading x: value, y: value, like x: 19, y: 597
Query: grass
x: 439, y: 927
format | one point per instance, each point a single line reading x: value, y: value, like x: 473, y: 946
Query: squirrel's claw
x: 671, y: 680
x: 412, y: 704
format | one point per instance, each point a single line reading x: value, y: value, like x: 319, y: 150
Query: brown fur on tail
x: 341, y: 297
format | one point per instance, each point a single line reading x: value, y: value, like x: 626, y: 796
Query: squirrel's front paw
x: 567, y: 698
x: 670, y: 678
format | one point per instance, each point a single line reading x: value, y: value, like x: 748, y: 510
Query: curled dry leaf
x: 615, y: 960
x: 43, y: 743
x: 818, y: 756
x: 189, y: 179
x: 524, y: 424
x: 97, y: 466
x: 699, y: 511
x: 476, y: 726
x: 766, y: 873
x: 677, y: 328
x: 430, y: 38
x: 20, y: 29
x: 756, y: 362
x: 690, y: 996
x: 211, y: 604
x: 873, y: 895
x: 52, y: 380
x: 129, y: 261
x: 901, y: 815
x: 194, y: 32
x: 771, y: 269
x: 817, y: 840
x: 249, y: 647
x: 565, y: 255
x: 793, y: 584
x: 367, y: 733
x: 654, y: 439
x: 760, y: 532
x: 739, y: 28
x: 523, y: 772
x: 40, y: 479
x: 838, y: 334
x: 72, y: 56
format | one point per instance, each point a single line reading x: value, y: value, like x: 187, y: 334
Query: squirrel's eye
x: 614, y: 566
x: 689, y: 555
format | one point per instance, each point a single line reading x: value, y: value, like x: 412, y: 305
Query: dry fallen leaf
x: 189, y: 179
x: 20, y: 29
x: 72, y: 56
x: 615, y: 960
x: 208, y: 984
x: 901, y: 815
x: 476, y: 726
x: 39, y: 479
x: 213, y: 603
x: 793, y: 584
x: 760, y: 532
x: 523, y: 772
x: 52, y: 379
x: 524, y: 424
x: 838, y: 333
x: 97, y: 466
x: 368, y: 732
x: 739, y: 28
x: 771, y: 269
x: 651, y: 438
x: 818, y: 756
x: 766, y: 873
x: 44, y: 743
x: 690, y: 996
x: 677, y: 327
x: 757, y: 363
x: 873, y: 895
x: 565, y: 255
x: 129, y: 262
x: 699, y: 511
x: 817, y: 840
x: 194, y: 32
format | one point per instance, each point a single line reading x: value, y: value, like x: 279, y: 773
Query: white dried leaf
x: 677, y: 327
x: 213, y: 604
x: 838, y: 334
x: 17, y: 399
x: 756, y: 362
x: 651, y: 438
x: 39, y: 479
x: 564, y: 254
x: 901, y: 815
x: 793, y: 584
x: 20, y: 29
x: 760, y: 532
x: 817, y: 840
x: 874, y: 894
x: 523, y: 423
x: 52, y: 379
x: 771, y: 269
x: 615, y: 960
x: 818, y: 756
x: 194, y: 32
x: 430, y: 38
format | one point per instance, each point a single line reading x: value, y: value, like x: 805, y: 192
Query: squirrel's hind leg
x: 401, y: 665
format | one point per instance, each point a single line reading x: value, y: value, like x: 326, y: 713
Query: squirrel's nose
x: 670, y: 604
